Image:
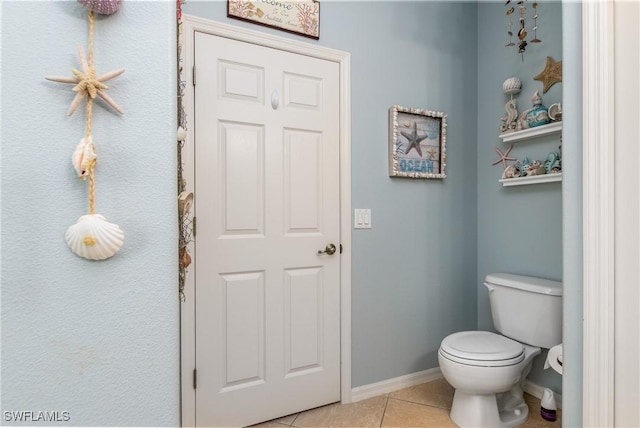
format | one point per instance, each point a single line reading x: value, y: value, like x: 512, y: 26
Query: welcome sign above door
x: 295, y: 16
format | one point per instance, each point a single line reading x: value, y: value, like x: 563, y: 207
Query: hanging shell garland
x: 83, y: 157
x: 185, y: 200
x: 181, y: 134
x: 103, y: 7
x: 94, y: 238
x: 185, y: 257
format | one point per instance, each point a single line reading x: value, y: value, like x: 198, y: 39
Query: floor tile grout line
x: 421, y: 404
x: 384, y: 411
x: 533, y: 403
x: 294, y: 419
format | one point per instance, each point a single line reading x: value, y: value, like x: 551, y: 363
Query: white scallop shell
x: 512, y: 86
x: 83, y: 156
x: 94, y: 238
x: 103, y: 7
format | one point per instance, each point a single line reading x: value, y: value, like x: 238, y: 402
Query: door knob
x: 329, y: 249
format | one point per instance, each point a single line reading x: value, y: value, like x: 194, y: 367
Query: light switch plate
x: 362, y: 218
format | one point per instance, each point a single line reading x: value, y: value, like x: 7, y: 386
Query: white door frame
x: 627, y: 213
x: 191, y: 25
x: 611, y: 213
x: 598, y: 213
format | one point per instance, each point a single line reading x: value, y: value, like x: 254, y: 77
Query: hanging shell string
x: 92, y: 237
x: 92, y: 75
x: 92, y: 189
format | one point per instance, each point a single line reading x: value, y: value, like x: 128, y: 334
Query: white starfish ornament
x: 87, y: 84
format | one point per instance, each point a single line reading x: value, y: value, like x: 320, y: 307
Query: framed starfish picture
x: 417, y: 146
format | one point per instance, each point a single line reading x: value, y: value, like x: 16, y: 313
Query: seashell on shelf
x: 103, y: 7
x: 512, y: 86
x: 555, y: 112
x: 83, y: 157
x: 511, y: 171
x: 94, y: 238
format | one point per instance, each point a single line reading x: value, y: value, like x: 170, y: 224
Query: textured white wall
x: 99, y: 340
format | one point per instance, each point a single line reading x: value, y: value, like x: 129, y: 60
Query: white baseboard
x: 383, y: 387
x: 537, y: 390
x: 390, y: 385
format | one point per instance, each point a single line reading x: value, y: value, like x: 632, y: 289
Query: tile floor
x: 424, y: 405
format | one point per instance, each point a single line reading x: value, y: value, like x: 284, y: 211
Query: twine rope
x: 92, y: 76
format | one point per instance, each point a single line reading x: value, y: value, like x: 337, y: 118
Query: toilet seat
x: 482, y: 348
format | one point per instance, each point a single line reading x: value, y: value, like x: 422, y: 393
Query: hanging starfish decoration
x: 414, y: 140
x: 87, y: 84
x: 92, y: 236
x: 504, y: 157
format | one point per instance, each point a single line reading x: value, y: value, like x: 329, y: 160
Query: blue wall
x: 413, y: 273
x: 99, y: 340
x: 519, y: 228
x: 572, y: 215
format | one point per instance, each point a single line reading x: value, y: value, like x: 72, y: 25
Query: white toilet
x: 487, y: 369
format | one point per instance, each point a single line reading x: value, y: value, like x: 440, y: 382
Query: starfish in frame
x: 87, y: 84
x: 414, y: 140
x: 504, y: 157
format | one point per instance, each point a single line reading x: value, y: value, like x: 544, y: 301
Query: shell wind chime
x: 522, y: 32
x: 92, y: 236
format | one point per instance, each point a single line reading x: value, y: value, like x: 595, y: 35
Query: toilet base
x: 503, y: 410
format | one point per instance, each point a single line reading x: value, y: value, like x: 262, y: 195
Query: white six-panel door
x: 267, y: 192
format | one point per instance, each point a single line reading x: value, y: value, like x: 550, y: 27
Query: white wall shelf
x: 533, y: 179
x: 526, y: 134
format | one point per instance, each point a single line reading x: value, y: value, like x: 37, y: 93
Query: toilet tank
x: 526, y: 309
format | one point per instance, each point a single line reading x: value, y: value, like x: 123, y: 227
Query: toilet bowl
x: 488, y: 370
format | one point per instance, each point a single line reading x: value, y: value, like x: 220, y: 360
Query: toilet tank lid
x: 527, y: 283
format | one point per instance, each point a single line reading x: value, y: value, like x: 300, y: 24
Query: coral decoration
x: 307, y: 18
x: 179, y: 9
